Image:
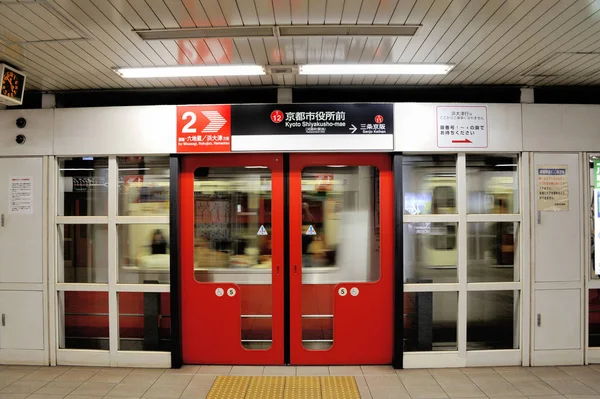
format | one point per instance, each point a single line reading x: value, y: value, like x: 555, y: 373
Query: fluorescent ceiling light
x: 191, y: 71
x: 265, y: 31
x: 375, y: 69
x: 506, y: 165
x: 206, y: 33
x: 255, y: 167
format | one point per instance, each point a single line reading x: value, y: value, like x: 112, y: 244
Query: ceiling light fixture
x: 190, y: 71
x: 375, y: 69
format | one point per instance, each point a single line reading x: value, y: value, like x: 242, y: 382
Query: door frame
x: 179, y: 241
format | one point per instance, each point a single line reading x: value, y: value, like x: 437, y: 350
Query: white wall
x: 115, y: 130
x: 38, y: 131
x: 556, y: 127
x: 415, y: 128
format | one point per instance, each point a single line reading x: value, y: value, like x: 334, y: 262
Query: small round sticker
x: 219, y: 291
x: 354, y: 291
x: 231, y: 291
x: 343, y: 291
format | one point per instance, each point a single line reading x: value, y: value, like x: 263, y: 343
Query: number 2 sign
x: 204, y: 128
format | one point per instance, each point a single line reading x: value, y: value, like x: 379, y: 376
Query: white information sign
x: 552, y: 188
x: 20, y: 195
x: 462, y: 127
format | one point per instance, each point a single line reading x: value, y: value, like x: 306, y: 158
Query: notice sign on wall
x: 462, y: 127
x: 204, y: 128
x: 552, y: 188
x: 20, y: 195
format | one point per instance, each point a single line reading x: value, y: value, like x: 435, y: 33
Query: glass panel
x: 492, y: 184
x: 430, y: 253
x: 594, y: 316
x: 143, y: 186
x: 429, y: 184
x: 340, y: 223
x: 430, y: 321
x: 83, y: 186
x: 232, y: 230
x: 257, y: 324
x: 493, y: 252
x: 594, y: 215
x: 143, y: 253
x: 84, y: 317
x: 144, y: 321
x: 493, y: 320
x: 82, y: 253
x: 317, y: 316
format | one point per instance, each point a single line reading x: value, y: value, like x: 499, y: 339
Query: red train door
x: 340, y: 243
x: 341, y: 259
x: 232, y: 259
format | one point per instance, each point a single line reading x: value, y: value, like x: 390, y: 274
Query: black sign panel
x: 284, y: 119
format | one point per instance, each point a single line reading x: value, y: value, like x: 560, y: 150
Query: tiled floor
x: 376, y: 382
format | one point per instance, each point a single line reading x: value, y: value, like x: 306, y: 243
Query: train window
x: 143, y: 186
x: 493, y: 254
x: 430, y: 253
x: 83, y: 186
x: 492, y: 184
x: 429, y: 184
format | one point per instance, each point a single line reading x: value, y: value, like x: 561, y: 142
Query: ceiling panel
x: 76, y: 44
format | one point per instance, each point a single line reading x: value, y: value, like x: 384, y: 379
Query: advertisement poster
x: 20, y: 195
x: 552, y: 188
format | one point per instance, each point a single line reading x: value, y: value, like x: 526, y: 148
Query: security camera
x: 21, y: 123
x: 20, y: 139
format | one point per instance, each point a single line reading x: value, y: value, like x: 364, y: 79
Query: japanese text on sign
x: 552, y: 188
x: 21, y: 195
x: 462, y: 126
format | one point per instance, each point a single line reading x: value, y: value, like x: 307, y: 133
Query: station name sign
x: 284, y: 127
x: 313, y: 119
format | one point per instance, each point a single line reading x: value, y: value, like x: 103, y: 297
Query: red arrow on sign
x: 462, y: 141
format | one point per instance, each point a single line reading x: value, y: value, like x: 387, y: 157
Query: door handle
x: 539, y: 320
x: 539, y: 217
x: 295, y: 269
x: 3, y: 320
x: 277, y: 269
x: 2, y: 220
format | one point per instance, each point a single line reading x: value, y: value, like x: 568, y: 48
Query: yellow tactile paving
x: 267, y: 387
x: 229, y: 388
x: 339, y: 387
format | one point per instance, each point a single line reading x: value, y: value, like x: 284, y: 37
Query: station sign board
x: 284, y: 127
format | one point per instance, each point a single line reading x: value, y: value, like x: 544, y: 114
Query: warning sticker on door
x: 262, y: 231
x: 20, y: 195
x: 311, y: 231
x: 552, y: 188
